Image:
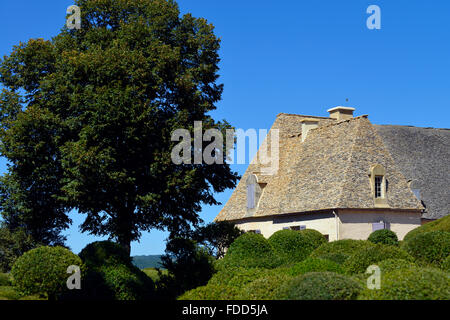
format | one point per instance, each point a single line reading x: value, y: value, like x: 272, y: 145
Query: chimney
x: 308, y: 124
x: 341, y: 113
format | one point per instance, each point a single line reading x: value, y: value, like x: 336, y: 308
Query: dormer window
x: 378, y: 185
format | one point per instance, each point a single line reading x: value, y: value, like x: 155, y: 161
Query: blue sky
x: 297, y: 57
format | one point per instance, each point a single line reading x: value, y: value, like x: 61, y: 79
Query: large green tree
x: 96, y: 107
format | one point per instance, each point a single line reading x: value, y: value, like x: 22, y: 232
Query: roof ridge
x: 410, y: 126
x: 341, y: 121
x: 301, y: 115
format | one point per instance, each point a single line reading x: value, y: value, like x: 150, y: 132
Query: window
x: 327, y: 237
x: 298, y: 228
x: 378, y: 186
x: 255, y: 231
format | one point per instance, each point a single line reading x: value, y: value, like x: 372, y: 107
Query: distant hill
x: 151, y: 261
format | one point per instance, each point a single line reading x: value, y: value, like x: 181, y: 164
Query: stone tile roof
x: 329, y: 170
x: 423, y: 156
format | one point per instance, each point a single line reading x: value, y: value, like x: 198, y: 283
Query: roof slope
x: 328, y: 170
x: 423, y: 156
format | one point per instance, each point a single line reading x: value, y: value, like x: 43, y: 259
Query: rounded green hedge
x: 44, y: 271
x: 237, y: 277
x: 251, y: 250
x: 339, y: 251
x: 446, y: 264
x: 442, y: 224
x: 316, y: 238
x: 101, y: 253
x: 383, y: 236
x: 411, y: 284
x: 294, y: 246
x: 264, y: 288
x: 390, y: 265
x: 359, y: 261
x: 320, y: 286
x: 429, y: 248
x: 315, y: 265
x: 211, y: 292
x: 112, y: 276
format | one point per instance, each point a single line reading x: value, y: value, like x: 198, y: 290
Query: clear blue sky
x: 297, y: 57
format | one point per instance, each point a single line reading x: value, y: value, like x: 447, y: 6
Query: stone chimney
x: 308, y: 124
x: 341, y: 113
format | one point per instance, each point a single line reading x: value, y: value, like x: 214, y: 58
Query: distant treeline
x: 151, y: 261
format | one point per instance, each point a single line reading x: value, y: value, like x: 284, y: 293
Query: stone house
x: 345, y: 177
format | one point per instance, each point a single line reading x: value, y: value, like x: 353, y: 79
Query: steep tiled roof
x: 423, y: 156
x: 330, y: 169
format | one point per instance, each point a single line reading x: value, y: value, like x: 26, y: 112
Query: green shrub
x: 430, y: 247
x: 5, y: 279
x: 126, y: 283
x: 211, y: 292
x: 383, y: 236
x: 293, y: 246
x: 360, y: 260
x: 237, y: 277
x: 315, y: 265
x: 390, y: 265
x: 251, y: 250
x: 339, y: 251
x: 316, y: 238
x: 320, y: 286
x: 411, y: 284
x: 112, y: 275
x: 100, y: 253
x: 442, y: 224
x: 264, y: 288
x: 44, y: 270
x: 9, y: 293
x: 446, y: 264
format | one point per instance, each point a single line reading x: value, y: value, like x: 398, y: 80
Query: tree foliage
x: 87, y: 119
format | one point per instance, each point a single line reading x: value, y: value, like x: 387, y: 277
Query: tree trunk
x: 125, y: 242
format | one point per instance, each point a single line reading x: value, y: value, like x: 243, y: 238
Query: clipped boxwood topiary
x: 101, y: 253
x: 44, y: 271
x: 211, y: 292
x: 112, y: 276
x: 264, y: 288
x: 411, y: 284
x: 430, y: 248
x: 293, y: 246
x: 390, y: 265
x: 251, y: 250
x: 442, y: 224
x: 237, y: 277
x: 317, y: 239
x: 315, y: 265
x: 339, y: 251
x: 446, y: 264
x: 358, y: 262
x: 383, y: 236
x: 320, y: 286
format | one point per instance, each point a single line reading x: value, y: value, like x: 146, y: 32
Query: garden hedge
x: 315, y: 265
x: 265, y: 288
x: 383, y: 236
x: 339, y: 251
x: 429, y: 248
x: 411, y: 284
x: 360, y: 260
x: 251, y: 250
x: 394, y: 264
x: 442, y: 224
x: 320, y: 286
x: 294, y: 246
x: 44, y: 271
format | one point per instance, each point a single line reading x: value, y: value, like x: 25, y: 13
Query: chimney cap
x: 341, y: 108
